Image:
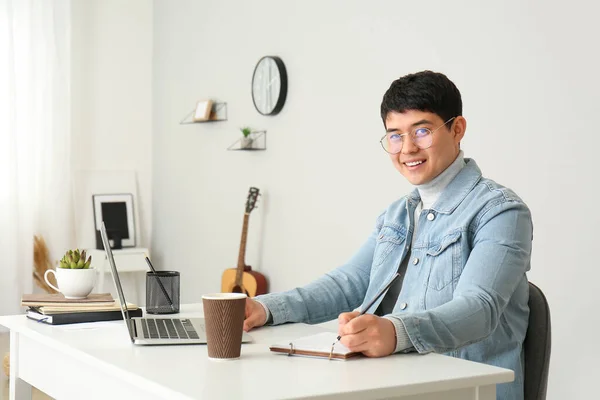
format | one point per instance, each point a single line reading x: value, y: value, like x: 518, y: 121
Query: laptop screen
x: 115, y: 275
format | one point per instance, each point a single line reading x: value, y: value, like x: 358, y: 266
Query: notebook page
x: 319, y: 343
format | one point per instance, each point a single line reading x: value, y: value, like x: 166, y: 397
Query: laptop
x: 157, y: 331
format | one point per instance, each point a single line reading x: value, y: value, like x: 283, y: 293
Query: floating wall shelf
x: 257, y: 141
x: 218, y: 113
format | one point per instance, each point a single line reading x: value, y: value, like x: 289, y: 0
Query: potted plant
x: 74, y: 277
x: 73, y: 259
x: 246, y: 141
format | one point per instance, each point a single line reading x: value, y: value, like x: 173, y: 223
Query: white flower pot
x: 246, y: 143
x: 73, y: 283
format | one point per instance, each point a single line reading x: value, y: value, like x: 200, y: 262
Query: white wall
x: 112, y: 94
x: 111, y: 86
x: 528, y: 75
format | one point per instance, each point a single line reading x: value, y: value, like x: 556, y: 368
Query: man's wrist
x: 403, y: 341
x: 269, y: 316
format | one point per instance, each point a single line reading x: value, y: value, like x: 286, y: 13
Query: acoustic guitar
x: 242, y: 279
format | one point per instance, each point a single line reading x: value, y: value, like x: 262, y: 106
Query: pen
x: 160, y: 283
x: 372, y: 302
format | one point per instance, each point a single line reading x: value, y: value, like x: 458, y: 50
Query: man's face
x: 420, y: 166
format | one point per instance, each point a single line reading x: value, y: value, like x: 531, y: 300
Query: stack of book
x: 55, y: 309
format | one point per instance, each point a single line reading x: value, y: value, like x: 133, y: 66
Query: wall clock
x: 269, y: 85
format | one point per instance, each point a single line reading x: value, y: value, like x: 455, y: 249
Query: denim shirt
x: 465, y: 291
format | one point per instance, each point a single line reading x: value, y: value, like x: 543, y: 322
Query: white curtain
x: 35, y: 170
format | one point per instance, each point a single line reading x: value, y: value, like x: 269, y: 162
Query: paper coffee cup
x: 224, y: 316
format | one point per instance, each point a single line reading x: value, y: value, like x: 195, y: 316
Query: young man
x: 461, y: 242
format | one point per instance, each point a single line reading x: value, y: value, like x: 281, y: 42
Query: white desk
x: 69, y: 362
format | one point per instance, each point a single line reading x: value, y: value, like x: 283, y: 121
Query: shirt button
x: 403, y: 306
x: 416, y: 261
x: 431, y: 216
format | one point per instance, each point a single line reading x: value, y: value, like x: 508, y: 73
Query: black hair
x: 423, y: 91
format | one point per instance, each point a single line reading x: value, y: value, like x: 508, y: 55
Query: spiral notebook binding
x: 304, y: 347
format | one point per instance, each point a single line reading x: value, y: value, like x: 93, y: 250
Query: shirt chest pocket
x: 444, y: 261
x: 389, y: 241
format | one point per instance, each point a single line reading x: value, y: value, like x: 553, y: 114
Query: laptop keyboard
x: 160, y: 328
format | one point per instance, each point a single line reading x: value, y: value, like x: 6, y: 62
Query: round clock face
x: 269, y: 85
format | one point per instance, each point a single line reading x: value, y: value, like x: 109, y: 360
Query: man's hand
x: 255, y: 315
x: 368, y: 334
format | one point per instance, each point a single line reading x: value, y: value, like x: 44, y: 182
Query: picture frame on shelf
x: 116, y: 210
x: 203, y: 110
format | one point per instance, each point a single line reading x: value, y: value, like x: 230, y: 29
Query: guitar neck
x: 241, y: 265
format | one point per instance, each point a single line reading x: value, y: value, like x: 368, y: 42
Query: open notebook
x: 318, y: 345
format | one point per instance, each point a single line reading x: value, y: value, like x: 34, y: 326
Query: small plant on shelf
x: 246, y: 131
x: 246, y: 141
x: 73, y: 259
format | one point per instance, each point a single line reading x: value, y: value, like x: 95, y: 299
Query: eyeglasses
x: 422, y: 138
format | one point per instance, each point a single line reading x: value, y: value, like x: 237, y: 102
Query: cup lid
x: 224, y: 296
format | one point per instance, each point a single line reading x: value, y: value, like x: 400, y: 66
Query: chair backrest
x: 537, y: 345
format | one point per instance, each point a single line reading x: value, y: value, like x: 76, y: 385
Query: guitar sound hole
x: 237, y: 289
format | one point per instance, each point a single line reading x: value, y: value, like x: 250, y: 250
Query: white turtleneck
x: 432, y: 190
